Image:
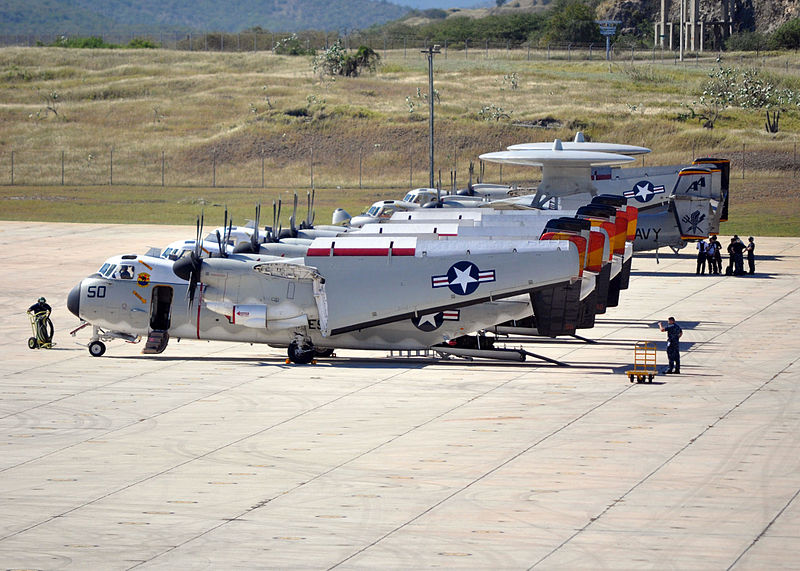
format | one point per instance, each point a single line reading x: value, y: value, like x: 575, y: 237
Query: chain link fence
x: 388, y: 46
x: 364, y: 168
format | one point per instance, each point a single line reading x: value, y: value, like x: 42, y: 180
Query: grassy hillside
x: 239, y: 128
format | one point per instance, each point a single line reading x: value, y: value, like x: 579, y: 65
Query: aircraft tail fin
x: 694, y: 216
x: 724, y: 166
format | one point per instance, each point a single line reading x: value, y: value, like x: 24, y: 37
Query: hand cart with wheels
x: 42, y: 331
x: 644, y: 362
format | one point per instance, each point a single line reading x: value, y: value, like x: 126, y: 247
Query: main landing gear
x: 303, y: 352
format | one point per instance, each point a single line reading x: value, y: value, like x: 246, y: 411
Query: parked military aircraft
x: 691, y: 210
x: 421, y: 293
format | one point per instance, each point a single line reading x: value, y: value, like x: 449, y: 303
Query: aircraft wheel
x: 650, y: 378
x: 33, y: 343
x: 301, y: 354
x: 323, y: 352
x: 97, y: 348
x: 630, y: 377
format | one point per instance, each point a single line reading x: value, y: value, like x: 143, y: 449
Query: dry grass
x: 215, y: 119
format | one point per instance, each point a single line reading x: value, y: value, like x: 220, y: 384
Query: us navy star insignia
x: 463, y: 278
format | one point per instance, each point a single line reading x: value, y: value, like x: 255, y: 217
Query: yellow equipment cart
x: 644, y: 362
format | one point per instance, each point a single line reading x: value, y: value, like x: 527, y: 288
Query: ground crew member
x: 702, y: 254
x: 674, y: 333
x: 717, y: 254
x: 713, y: 255
x: 736, y: 249
x: 42, y: 312
x: 751, y: 255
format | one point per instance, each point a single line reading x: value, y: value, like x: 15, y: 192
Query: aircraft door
x: 161, y: 308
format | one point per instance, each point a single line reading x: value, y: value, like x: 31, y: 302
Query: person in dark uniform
x: 702, y: 254
x: 751, y: 255
x: 714, y: 256
x: 737, y: 248
x: 674, y: 333
x: 42, y: 311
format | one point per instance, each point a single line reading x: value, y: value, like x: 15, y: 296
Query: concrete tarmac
x: 221, y: 456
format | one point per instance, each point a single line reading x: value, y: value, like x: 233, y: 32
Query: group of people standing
x: 711, y: 252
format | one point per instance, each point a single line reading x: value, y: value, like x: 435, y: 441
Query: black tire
x: 97, y: 348
x: 650, y: 378
x: 33, y: 343
x: 630, y: 377
x: 301, y: 355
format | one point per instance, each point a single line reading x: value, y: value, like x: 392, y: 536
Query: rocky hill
x: 748, y: 15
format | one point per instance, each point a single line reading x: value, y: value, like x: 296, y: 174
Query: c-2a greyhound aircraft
x: 401, y: 293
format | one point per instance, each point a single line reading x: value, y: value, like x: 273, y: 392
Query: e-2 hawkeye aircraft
x: 691, y: 211
x: 363, y: 293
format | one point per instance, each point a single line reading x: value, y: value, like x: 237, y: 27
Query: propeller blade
x: 279, y: 222
x: 219, y: 244
x: 258, y: 221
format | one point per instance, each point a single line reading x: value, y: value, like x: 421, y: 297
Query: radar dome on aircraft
x: 580, y: 144
x: 564, y: 172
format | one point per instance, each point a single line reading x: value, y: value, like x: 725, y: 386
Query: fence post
x: 163, y: 161
x: 360, y: 151
x: 262, y: 168
x: 214, y: 169
x: 312, y: 168
x: 62, y: 168
x: 12, y: 168
x: 410, y: 171
x: 111, y: 167
x: 743, y: 161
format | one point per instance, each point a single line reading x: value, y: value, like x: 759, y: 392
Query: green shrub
x: 93, y: 42
x: 141, y: 44
x: 787, y: 36
x: 292, y: 46
x: 746, y: 42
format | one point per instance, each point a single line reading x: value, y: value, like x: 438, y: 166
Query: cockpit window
x: 109, y: 270
x: 373, y: 211
x: 386, y: 212
x: 410, y: 197
x: 103, y: 268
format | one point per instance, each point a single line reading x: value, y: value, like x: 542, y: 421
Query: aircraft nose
x: 74, y: 301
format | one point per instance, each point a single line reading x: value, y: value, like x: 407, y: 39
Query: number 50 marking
x: 96, y: 291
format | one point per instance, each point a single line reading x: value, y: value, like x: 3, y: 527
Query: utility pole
x: 682, y: 35
x: 429, y: 52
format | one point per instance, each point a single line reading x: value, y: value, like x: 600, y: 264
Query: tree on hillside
x: 572, y: 21
x: 787, y: 36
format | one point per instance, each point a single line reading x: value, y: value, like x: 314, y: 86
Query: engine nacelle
x: 259, y: 316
